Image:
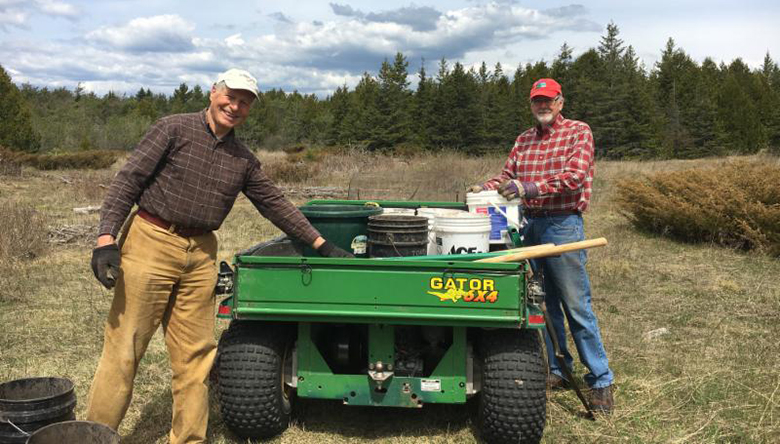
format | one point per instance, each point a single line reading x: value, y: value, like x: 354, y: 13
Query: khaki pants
x: 165, y: 279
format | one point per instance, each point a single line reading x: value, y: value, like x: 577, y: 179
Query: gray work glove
x: 475, y: 189
x: 105, y: 264
x: 511, y: 189
x: 329, y: 249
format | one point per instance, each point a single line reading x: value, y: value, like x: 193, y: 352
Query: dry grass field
x: 713, y: 377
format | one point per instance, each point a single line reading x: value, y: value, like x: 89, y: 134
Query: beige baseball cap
x: 239, y: 79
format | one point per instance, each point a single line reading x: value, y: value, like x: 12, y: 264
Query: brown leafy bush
x: 736, y: 205
x: 408, y: 150
x: 24, y: 232
x: 290, y: 169
x: 9, y: 166
x: 94, y: 159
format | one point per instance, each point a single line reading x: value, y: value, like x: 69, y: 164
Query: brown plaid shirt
x: 182, y: 173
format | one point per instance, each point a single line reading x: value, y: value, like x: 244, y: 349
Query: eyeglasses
x: 544, y: 100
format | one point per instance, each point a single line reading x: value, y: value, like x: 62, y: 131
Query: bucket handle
x: 391, y: 239
x: 503, y: 213
x: 8, y: 421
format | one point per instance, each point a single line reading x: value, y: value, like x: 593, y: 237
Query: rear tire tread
x: 513, y: 402
x: 249, y: 378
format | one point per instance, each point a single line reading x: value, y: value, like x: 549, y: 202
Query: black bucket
x: 26, y: 405
x: 394, y: 235
x: 82, y: 432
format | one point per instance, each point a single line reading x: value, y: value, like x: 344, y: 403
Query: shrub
x: 9, y: 165
x: 408, y: 150
x: 93, y: 159
x: 736, y: 205
x: 290, y: 169
x: 24, y: 232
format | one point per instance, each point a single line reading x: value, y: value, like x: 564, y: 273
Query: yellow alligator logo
x: 451, y: 294
x: 466, y: 289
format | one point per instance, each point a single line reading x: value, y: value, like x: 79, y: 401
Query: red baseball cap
x: 545, y: 87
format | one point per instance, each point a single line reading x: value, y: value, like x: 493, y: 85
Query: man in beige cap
x: 185, y: 175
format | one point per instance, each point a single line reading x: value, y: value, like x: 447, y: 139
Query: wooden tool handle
x: 521, y: 249
x: 545, y: 250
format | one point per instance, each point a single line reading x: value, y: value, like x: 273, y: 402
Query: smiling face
x: 229, y: 108
x: 546, y: 109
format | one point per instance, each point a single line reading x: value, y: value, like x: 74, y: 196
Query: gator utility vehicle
x: 385, y: 332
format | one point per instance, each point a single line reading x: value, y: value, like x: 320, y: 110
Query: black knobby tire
x: 513, y: 402
x: 253, y: 399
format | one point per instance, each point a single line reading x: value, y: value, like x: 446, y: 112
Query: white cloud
x: 310, y: 56
x: 57, y: 8
x: 234, y: 40
x: 17, y: 13
x: 162, y: 33
x: 12, y: 17
x: 356, y: 43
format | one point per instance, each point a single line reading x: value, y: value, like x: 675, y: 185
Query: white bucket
x: 480, y: 203
x: 431, y: 214
x: 463, y: 233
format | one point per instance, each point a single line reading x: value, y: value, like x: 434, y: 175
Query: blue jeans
x: 568, y: 292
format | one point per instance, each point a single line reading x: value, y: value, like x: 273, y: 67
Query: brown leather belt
x: 165, y: 225
x: 531, y: 212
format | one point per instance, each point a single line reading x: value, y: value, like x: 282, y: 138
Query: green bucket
x: 343, y: 225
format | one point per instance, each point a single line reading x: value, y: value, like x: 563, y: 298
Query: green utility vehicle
x: 385, y: 332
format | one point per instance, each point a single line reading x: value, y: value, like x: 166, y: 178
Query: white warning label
x: 430, y: 385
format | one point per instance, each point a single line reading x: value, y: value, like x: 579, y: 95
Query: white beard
x: 544, y: 118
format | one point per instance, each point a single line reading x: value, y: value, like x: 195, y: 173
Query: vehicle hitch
x: 224, y: 279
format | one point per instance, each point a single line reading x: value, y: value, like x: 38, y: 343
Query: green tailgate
x: 412, y: 292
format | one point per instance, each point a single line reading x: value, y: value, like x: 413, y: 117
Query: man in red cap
x: 551, y: 169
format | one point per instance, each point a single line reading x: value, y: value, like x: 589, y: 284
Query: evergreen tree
x: 638, y: 136
x: 392, y: 104
x: 769, y: 78
x: 339, y: 108
x: 363, y: 114
x: 422, y: 113
x: 703, y: 122
x: 582, y: 95
x: 562, y: 65
x: 16, y: 129
x: 611, y: 109
x: 197, y: 100
x: 739, y: 110
x: 459, y: 107
x: 440, y: 127
x: 500, y: 127
x: 611, y: 53
x: 179, y: 99
x: 679, y: 110
x: 675, y: 81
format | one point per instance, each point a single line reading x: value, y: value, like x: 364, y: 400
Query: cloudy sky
x: 316, y: 46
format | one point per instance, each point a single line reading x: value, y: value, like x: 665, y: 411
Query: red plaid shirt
x: 558, y: 160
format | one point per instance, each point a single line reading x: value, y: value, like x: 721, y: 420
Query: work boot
x: 555, y: 382
x: 600, y: 400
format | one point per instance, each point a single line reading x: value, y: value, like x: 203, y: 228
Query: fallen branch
x: 86, y: 210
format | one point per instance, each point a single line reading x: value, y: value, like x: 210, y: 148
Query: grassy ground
x: 713, y: 378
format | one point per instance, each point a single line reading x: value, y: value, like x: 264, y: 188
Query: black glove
x: 328, y: 249
x: 105, y: 264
